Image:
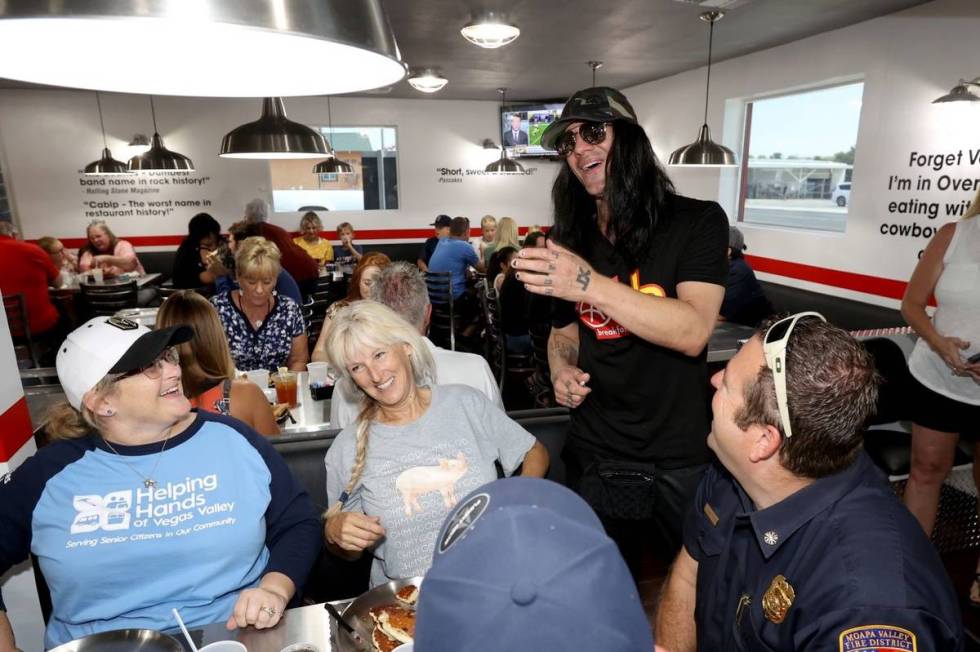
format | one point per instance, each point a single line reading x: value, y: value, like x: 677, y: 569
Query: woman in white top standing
x: 945, y: 362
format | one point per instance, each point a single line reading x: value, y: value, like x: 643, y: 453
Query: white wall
x: 47, y: 136
x: 905, y: 60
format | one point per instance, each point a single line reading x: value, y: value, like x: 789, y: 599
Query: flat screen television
x: 521, y: 126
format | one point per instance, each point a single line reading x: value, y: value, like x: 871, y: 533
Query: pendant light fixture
x: 595, y: 65
x: 332, y: 165
x: 138, y: 144
x: 490, y: 30
x: 427, y: 80
x: 273, y: 136
x: 504, y: 165
x: 961, y: 92
x: 248, y: 48
x: 705, y: 152
x: 158, y: 157
x: 106, y: 164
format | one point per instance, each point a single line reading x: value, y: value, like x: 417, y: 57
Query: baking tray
x: 357, y: 612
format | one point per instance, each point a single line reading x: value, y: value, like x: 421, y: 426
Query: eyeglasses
x: 592, y: 133
x: 774, y: 349
x: 154, y: 370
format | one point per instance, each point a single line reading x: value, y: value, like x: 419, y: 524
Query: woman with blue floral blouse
x: 265, y: 329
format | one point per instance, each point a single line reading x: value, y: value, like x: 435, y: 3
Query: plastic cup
x: 286, y: 388
x: 318, y: 373
x: 259, y: 376
x: 223, y: 646
x: 97, y: 275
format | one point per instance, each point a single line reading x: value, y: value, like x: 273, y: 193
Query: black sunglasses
x: 592, y: 133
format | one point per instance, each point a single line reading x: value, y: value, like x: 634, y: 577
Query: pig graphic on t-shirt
x: 419, y: 480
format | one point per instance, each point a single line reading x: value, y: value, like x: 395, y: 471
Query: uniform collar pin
x: 771, y: 538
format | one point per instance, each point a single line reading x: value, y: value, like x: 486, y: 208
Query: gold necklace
x: 148, y: 480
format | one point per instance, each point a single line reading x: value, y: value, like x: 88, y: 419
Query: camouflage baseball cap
x: 598, y: 104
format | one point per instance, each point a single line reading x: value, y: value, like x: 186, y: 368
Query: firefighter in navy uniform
x: 795, y: 541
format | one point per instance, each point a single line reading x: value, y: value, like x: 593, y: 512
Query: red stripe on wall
x: 15, y: 429
x: 883, y: 287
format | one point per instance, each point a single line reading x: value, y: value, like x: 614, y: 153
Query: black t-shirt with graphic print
x: 648, y: 403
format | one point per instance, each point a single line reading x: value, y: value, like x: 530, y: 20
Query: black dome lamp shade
x: 158, y: 157
x: 106, y: 164
x: 332, y: 165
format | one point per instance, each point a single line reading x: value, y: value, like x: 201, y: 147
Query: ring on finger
x: 272, y: 611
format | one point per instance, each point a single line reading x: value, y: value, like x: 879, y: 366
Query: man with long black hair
x: 640, y: 273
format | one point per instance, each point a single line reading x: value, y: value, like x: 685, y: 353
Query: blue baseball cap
x: 524, y: 565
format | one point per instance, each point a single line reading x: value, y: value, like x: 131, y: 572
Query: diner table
x: 308, y: 415
x: 310, y: 625
x: 153, y: 278
x: 726, y: 340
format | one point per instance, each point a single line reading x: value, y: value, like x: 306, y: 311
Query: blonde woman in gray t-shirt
x: 415, y: 449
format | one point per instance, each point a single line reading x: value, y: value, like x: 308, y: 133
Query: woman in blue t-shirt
x: 141, y: 505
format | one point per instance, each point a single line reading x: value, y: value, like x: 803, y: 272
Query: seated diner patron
x: 141, y: 505
x: 795, y: 540
x: 105, y: 250
x: 207, y: 370
x: 221, y: 263
x: 193, y: 255
x: 265, y: 330
x: 394, y: 474
x: 367, y: 269
x: 65, y: 261
x: 295, y: 260
x: 401, y: 287
x: 319, y: 249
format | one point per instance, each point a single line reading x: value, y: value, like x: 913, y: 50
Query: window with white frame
x: 797, y: 173
x: 371, y: 185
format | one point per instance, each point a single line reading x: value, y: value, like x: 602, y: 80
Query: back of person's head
x: 311, y: 219
x: 401, y: 286
x: 241, y: 230
x: 506, y: 235
x: 201, y: 226
x: 460, y: 228
x: 257, y: 258
x: 524, y: 564
x: 206, y: 359
x: 48, y: 243
x: 500, y: 258
x: 832, y: 390
x: 736, y: 242
x: 531, y: 241
x: 369, y: 259
x: 257, y: 210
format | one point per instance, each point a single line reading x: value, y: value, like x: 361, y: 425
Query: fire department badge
x: 777, y: 599
x: 877, y: 638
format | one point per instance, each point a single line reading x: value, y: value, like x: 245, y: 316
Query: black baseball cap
x: 442, y: 221
x: 597, y: 104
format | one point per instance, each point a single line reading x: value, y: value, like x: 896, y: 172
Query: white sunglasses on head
x: 774, y: 349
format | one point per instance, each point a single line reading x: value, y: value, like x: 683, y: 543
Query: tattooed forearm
x: 563, y: 350
x: 584, y: 278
